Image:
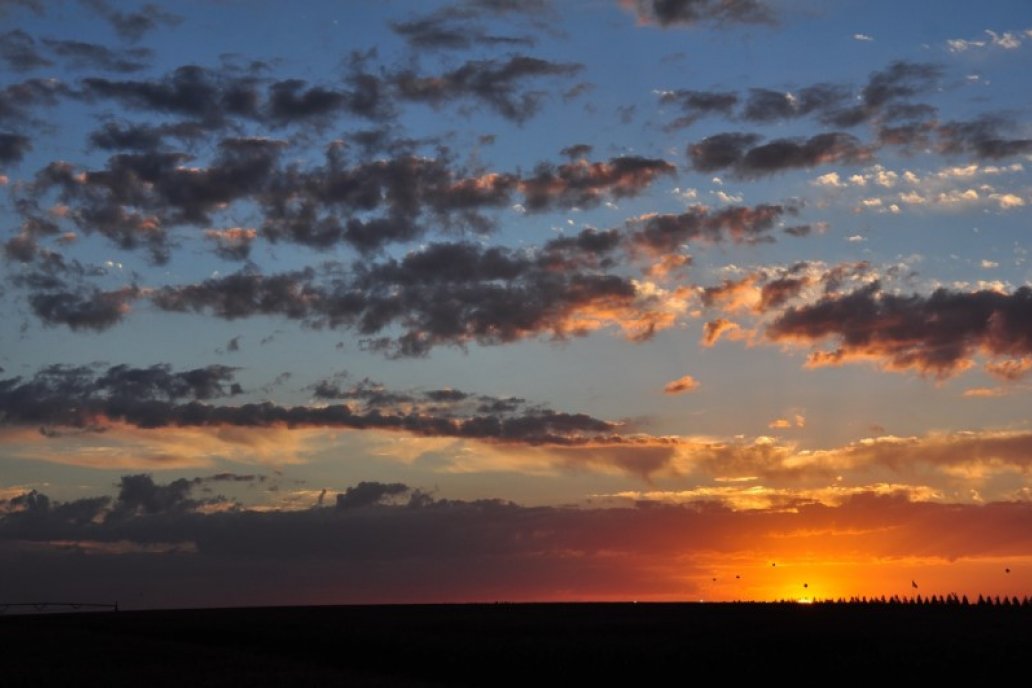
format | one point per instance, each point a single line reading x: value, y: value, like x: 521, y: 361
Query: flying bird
x: 737, y: 577
x: 773, y: 564
x: 806, y: 585
x: 1006, y: 570
x: 913, y: 584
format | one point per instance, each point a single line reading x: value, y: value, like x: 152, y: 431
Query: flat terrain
x: 512, y: 644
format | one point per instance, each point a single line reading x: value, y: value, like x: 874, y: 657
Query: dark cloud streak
x: 938, y: 334
x: 62, y: 396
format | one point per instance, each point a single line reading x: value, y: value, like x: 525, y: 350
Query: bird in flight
x: 1006, y: 570
x: 913, y: 584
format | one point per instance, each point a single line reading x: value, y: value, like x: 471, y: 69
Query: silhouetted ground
x: 510, y: 644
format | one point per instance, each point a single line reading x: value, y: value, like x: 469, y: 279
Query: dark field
x: 508, y: 644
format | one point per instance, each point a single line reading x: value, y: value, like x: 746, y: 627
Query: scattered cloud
x: 685, y: 383
x: 668, y: 13
x: 938, y: 334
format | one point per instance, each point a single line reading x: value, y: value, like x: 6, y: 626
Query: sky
x: 479, y: 300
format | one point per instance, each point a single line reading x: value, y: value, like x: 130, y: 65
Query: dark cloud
x: 720, y: 151
x: 215, y: 97
x: 368, y: 494
x: 510, y: 6
x: 450, y: 395
x: 32, y: 509
x: 18, y: 100
x: 663, y: 234
x: 64, y: 396
x: 775, y: 293
x: 18, y: 50
x: 119, y: 386
x: 435, y: 549
x: 698, y: 104
x: 143, y: 137
x: 737, y: 152
x: 21, y: 247
x: 589, y: 248
x: 234, y: 478
x: 159, y: 382
x: 139, y: 495
x: 937, y: 334
x: 784, y: 154
x: 456, y: 293
x: 686, y: 12
x: 799, y: 230
x: 87, y: 308
x: 583, y: 184
x: 411, y: 189
x: 452, y: 28
x: 139, y: 195
x: 883, y: 98
x: 244, y: 294
x: 577, y: 90
x: 911, y: 136
x: 13, y: 147
x: 189, y: 91
x: 493, y: 83
x: 765, y: 105
x: 81, y: 55
x: 366, y: 393
x: 900, y: 80
x: 576, y: 151
x: 293, y: 101
x: 132, y: 26
x: 334, y: 203
x: 982, y: 137
x: 436, y: 31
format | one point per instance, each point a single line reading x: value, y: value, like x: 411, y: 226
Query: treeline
x: 934, y: 600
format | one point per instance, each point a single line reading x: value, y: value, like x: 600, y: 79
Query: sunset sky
x: 482, y: 300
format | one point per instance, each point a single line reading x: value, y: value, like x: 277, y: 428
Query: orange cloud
x: 984, y: 392
x: 683, y: 384
x: 734, y: 295
x: 714, y: 329
x: 1010, y: 370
